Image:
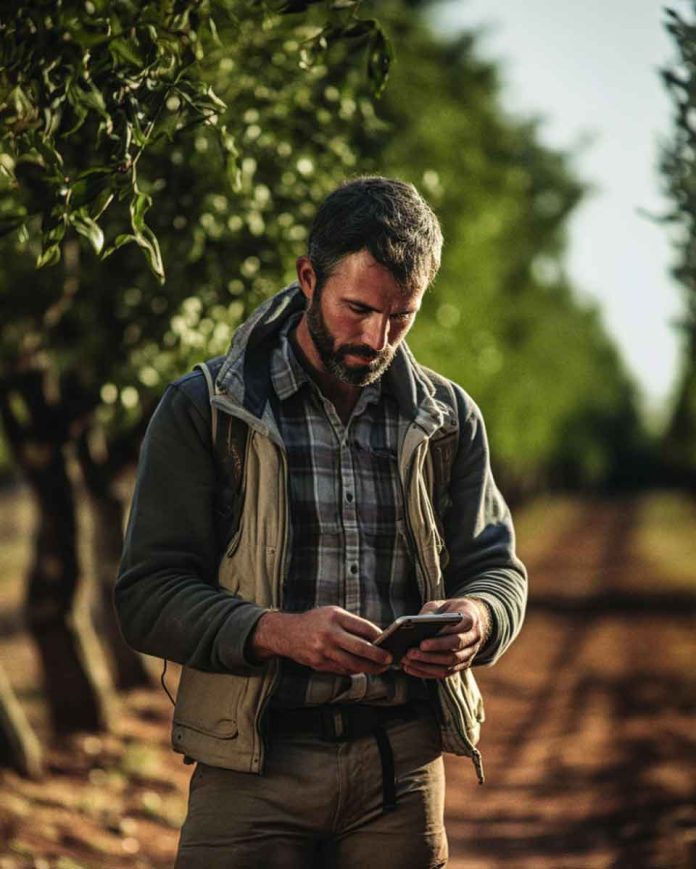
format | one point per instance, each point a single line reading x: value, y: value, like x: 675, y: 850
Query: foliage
x: 85, y: 345
x: 227, y: 230
x: 502, y: 318
x: 678, y: 167
x: 88, y: 88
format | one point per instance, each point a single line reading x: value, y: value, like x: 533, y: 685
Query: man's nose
x: 376, y: 333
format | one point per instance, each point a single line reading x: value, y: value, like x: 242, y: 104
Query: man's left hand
x: 455, y: 648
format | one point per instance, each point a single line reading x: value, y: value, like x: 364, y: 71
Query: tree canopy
x: 88, y: 88
x: 678, y: 167
x: 502, y: 317
x: 300, y: 115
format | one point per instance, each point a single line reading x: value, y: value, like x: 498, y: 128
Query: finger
x: 430, y: 671
x: 465, y: 624
x: 352, y: 664
x: 432, y: 606
x: 457, y: 642
x: 362, y: 649
x: 440, y: 659
x: 356, y: 625
x: 446, y: 662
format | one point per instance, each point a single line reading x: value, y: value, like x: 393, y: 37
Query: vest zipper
x: 280, y: 572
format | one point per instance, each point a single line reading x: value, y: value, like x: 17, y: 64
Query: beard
x: 334, y: 357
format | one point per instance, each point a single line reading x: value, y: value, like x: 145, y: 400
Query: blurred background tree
x: 265, y: 113
x: 502, y: 318
x: 86, y: 346
x: 678, y: 167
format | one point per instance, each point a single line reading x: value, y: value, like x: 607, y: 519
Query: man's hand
x: 328, y: 638
x: 456, y: 646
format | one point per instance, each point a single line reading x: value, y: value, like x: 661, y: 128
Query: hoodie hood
x: 245, y: 375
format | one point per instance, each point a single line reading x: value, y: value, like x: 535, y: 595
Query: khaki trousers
x: 319, y: 804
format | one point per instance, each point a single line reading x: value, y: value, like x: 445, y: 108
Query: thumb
x: 432, y: 606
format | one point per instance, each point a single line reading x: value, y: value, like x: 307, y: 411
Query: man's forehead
x: 360, y: 272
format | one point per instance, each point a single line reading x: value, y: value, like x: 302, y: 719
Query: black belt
x: 344, y: 722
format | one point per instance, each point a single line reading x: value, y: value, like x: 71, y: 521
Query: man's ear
x: 306, y: 276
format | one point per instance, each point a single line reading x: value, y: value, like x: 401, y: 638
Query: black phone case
x: 408, y: 636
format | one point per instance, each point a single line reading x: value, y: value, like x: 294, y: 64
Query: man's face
x: 358, y: 319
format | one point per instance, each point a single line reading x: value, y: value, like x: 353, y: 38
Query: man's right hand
x: 328, y: 639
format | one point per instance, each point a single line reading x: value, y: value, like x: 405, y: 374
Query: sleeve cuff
x: 235, y: 639
x: 489, y: 651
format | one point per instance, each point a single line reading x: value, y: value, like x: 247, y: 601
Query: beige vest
x: 217, y: 718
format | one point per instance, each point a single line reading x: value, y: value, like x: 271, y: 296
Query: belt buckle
x: 334, y: 725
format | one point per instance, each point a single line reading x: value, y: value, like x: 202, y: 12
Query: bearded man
x: 359, y: 491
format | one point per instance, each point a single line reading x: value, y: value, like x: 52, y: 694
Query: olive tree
x: 186, y: 132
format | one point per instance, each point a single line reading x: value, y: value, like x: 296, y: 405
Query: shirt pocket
x: 380, y: 494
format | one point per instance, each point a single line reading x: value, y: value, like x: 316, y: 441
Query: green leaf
x: 89, y: 185
x: 100, y: 204
x: 215, y: 99
x: 379, y: 59
x: 139, y: 206
x: 89, y: 228
x: 119, y: 241
x: 48, y: 257
x: 144, y: 237
x: 234, y: 173
x: 126, y: 50
x: 79, y: 110
x: 147, y: 241
x: 10, y: 222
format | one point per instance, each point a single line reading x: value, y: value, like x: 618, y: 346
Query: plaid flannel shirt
x: 349, y: 545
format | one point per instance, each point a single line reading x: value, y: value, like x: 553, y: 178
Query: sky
x: 589, y: 70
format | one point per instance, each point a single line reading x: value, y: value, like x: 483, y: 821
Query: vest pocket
x: 208, y: 702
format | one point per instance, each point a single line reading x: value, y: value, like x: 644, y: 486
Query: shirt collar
x: 289, y: 375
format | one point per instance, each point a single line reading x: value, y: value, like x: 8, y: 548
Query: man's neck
x: 343, y: 396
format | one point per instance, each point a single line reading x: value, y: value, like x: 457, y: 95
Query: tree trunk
x: 19, y: 745
x: 128, y: 668
x: 75, y: 677
x: 679, y: 444
x: 69, y: 652
x: 101, y: 461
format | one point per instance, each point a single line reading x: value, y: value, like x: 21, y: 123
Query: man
x: 365, y: 493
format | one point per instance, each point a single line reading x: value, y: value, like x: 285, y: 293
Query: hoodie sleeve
x: 480, y: 538
x: 167, y: 597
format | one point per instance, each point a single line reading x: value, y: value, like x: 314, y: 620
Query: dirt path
x: 590, y: 741
x: 589, y: 746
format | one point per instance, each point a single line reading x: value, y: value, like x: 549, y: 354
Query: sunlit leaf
x: 88, y: 228
x: 48, y: 257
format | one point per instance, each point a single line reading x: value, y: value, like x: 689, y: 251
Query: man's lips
x: 364, y: 359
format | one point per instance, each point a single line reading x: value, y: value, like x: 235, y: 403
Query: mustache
x: 359, y: 350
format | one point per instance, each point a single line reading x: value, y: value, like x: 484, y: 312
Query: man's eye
x: 404, y: 315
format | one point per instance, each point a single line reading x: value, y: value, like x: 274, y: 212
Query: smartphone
x: 409, y: 631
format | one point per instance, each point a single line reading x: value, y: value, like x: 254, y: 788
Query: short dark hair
x: 387, y: 217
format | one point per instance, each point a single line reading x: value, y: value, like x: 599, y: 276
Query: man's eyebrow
x: 366, y: 307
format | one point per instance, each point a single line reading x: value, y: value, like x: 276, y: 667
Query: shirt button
x: 354, y: 568
x: 349, y: 496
